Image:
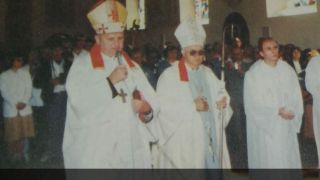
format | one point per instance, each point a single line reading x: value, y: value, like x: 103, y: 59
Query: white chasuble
x: 187, y: 132
x: 102, y: 131
x: 272, y: 140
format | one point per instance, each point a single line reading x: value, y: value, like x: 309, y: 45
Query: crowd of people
x: 85, y: 103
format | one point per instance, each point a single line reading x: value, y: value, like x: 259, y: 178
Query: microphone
x: 117, y: 55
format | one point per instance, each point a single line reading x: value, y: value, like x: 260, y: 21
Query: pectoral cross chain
x: 123, y: 95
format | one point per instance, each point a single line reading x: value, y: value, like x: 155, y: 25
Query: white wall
x: 40, y: 31
x: 219, y: 10
x: 301, y: 30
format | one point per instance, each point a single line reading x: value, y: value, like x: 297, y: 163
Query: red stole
x: 183, y: 70
x: 97, y: 60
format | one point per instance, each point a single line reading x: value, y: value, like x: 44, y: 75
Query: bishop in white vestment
x: 189, y: 116
x: 110, y: 101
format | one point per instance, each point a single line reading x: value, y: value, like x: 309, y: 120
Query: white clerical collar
x: 270, y: 66
x: 105, y: 56
x: 191, y: 69
x: 110, y: 61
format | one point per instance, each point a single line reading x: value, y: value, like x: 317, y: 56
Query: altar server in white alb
x: 110, y: 100
x: 313, y: 86
x: 190, y: 107
x: 274, y: 108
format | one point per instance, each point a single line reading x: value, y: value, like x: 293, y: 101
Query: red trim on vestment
x: 96, y: 57
x: 183, y: 70
x: 127, y: 58
x: 97, y: 60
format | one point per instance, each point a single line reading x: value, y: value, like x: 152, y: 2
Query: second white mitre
x: 190, y: 32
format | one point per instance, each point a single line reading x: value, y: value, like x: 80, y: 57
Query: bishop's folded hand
x: 285, y: 114
x: 201, y: 104
x: 141, y: 107
x: 118, y: 74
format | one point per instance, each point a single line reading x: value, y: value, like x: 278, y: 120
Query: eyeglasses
x: 195, y: 52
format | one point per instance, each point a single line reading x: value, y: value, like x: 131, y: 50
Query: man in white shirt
x: 54, y: 73
x: 236, y: 131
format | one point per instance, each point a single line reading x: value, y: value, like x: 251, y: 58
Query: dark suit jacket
x: 300, y: 75
x: 44, y: 76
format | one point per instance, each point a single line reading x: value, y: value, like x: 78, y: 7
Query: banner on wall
x: 136, y: 14
x: 277, y: 8
x: 198, y: 9
x: 202, y: 11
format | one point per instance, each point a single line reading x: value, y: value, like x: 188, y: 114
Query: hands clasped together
x: 202, y: 104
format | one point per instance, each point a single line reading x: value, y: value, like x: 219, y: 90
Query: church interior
x: 26, y: 23
x: 30, y: 24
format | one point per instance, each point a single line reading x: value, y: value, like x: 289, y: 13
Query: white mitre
x: 190, y: 32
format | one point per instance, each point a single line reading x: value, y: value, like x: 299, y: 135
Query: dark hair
x: 13, y: 55
x: 290, y: 56
x: 262, y: 40
x: 296, y: 48
x: 168, y: 49
x: 78, y: 38
x: 134, y: 51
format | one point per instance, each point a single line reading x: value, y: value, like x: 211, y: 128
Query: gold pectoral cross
x: 123, y: 95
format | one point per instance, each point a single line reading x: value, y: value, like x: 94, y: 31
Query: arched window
x: 236, y: 26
